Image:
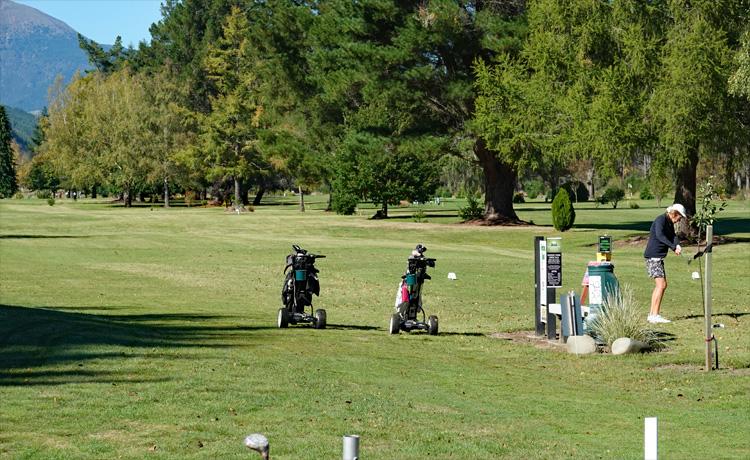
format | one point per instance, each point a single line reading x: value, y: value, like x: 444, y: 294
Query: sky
x: 103, y: 20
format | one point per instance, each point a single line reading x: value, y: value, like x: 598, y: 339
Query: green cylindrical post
x: 707, y: 298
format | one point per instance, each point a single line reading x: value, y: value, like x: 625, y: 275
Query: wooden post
x: 707, y: 298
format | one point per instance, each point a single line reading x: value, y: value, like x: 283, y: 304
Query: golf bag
x: 300, y: 283
x: 408, y: 303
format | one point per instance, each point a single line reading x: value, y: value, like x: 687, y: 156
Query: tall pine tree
x: 8, y: 180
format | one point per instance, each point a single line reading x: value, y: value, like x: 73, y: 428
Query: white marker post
x: 351, y: 447
x: 650, y: 439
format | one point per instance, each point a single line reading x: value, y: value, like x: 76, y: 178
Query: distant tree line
x: 384, y: 100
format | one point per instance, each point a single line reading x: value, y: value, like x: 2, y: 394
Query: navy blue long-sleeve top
x: 661, y: 239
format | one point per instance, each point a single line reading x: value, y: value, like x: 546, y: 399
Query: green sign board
x: 554, y: 245
x: 605, y: 244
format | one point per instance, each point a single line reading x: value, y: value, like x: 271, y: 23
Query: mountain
x: 22, y: 126
x: 34, y: 49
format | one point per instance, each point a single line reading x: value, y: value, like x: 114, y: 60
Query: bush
x: 51, y: 201
x: 19, y: 195
x: 577, y: 191
x: 518, y: 198
x: 633, y: 205
x: 344, y: 203
x: 43, y: 194
x: 621, y: 316
x: 563, y: 214
x: 646, y: 194
x: 613, y: 195
x: 533, y: 188
x: 472, y: 211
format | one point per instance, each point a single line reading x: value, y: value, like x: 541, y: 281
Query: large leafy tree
x: 97, y: 133
x: 230, y: 132
x: 8, y: 180
x: 576, y: 92
x: 170, y: 133
x: 691, y: 108
x: 402, y: 70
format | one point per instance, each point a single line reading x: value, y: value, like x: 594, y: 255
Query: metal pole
x: 351, y: 447
x: 707, y: 298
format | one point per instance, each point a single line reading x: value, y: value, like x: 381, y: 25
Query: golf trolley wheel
x: 432, y: 325
x: 283, y: 318
x: 395, y: 324
x: 320, y: 319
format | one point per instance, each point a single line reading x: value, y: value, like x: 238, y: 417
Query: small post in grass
x: 258, y: 443
x: 650, y: 439
x: 351, y: 447
x: 707, y: 299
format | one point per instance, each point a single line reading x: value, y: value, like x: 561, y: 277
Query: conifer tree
x: 8, y: 180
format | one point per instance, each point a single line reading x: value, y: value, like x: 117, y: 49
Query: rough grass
x: 131, y: 333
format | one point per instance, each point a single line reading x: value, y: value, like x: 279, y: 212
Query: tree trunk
x: 245, y: 194
x: 166, y: 193
x: 259, y: 196
x: 93, y: 191
x: 499, y: 183
x: 686, y: 178
x: 301, y: 199
x: 590, y: 182
x: 127, y: 198
x: 237, y: 194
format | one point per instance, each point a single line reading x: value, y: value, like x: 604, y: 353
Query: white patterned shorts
x: 655, y: 268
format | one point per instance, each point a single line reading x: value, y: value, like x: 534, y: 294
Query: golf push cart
x: 409, y: 296
x: 300, y: 283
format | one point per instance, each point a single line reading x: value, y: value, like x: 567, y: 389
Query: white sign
x: 595, y: 290
x: 543, y: 274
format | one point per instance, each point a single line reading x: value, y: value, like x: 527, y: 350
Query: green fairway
x: 151, y: 332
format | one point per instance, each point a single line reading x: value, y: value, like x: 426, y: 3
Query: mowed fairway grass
x: 151, y: 333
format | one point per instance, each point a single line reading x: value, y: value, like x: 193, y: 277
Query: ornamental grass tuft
x: 622, y: 316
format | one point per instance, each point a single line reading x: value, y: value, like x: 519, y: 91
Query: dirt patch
x: 530, y: 338
x: 504, y: 221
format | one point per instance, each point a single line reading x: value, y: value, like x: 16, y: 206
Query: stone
x: 625, y: 345
x: 581, y: 345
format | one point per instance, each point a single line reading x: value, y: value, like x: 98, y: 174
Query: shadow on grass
x: 351, y: 327
x: 24, y: 237
x: 39, y: 337
x: 665, y: 336
x: 723, y: 226
x: 731, y: 315
x: 464, y: 334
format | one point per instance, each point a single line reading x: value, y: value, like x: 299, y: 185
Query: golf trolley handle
x: 317, y: 256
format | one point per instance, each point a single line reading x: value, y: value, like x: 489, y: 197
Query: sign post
x: 538, y: 285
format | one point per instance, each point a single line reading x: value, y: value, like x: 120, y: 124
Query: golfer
x: 661, y: 239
